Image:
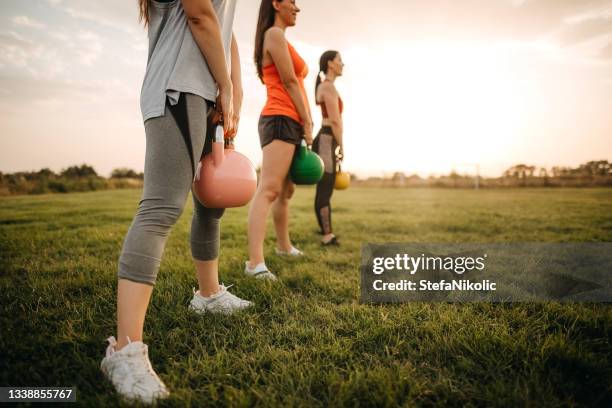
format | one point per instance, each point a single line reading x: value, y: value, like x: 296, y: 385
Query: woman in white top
x: 191, y: 46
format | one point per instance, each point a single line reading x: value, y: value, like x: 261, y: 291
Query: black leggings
x: 325, y: 146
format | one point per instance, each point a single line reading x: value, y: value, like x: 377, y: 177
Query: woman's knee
x: 158, y: 215
x: 271, y: 190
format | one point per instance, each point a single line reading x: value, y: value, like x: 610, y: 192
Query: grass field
x: 308, y: 341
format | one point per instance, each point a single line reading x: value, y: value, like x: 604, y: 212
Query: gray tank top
x: 175, y: 63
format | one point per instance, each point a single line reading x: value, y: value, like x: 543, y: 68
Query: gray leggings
x: 167, y: 181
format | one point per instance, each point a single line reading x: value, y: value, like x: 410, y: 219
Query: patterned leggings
x: 325, y: 146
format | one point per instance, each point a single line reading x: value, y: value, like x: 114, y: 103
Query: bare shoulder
x: 274, y: 34
x: 327, y: 88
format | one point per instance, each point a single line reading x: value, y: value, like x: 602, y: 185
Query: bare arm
x: 277, y: 48
x: 236, y: 77
x: 330, y: 98
x: 206, y: 32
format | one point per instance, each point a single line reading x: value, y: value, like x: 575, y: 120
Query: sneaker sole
x: 224, y: 312
x: 262, y: 276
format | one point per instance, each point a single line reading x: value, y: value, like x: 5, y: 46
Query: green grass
x: 308, y: 341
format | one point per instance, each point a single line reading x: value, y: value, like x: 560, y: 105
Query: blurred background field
x: 308, y: 341
x: 79, y: 178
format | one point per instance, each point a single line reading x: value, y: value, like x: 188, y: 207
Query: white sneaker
x: 130, y: 371
x: 221, y: 302
x: 292, y: 252
x: 260, y: 271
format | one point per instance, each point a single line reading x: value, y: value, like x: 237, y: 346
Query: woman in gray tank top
x: 191, y: 46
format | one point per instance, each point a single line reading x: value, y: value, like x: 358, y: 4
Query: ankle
x: 123, y: 341
x: 208, y: 292
x: 284, y: 247
x: 253, y: 265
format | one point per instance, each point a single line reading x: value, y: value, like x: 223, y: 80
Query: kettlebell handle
x: 220, y: 138
x: 304, y: 148
x: 303, y: 143
x: 218, y: 153
x: 219, y: 135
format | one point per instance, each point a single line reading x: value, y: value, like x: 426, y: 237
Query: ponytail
x: 317, y: 84
x: 143, y: 5
x: 323, y: 62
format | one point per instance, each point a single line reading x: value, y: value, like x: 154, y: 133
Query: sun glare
x: 434, y: 104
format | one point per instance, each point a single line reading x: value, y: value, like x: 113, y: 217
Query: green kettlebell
x: 307, y: 166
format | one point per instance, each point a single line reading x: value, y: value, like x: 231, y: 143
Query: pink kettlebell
x: 224, y: 178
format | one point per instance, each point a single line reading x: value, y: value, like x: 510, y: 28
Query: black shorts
x: 279, y: 127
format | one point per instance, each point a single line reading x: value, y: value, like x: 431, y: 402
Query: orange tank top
x: 324, y: 109
x: 279, y: 102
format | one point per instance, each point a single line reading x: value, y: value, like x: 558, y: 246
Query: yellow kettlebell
x: 343, y: 179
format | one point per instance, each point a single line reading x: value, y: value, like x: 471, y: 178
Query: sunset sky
x: 429, y: 85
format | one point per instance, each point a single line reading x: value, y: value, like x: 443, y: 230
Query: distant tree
x: 124, y: 172
x: 454, y: 175
x: 399, y: 178
x: 512, y: 172
x: 46, y: 173
x: 595, y: 168
x: 79, y: 171
x: 558, y: 171
x: 520, y: 171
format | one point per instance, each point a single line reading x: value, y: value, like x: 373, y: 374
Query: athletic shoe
x: 130, y: 371
x: 292, y: 252
x: 332, y: 241
x: 221, y: 302
x: 260, y: 271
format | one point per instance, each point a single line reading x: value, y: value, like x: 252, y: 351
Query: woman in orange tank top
x: 285, y: 120
x: 329, y: 143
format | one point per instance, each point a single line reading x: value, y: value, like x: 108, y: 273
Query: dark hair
x: 143, y: 5
x: 264, y: 21
x: 327, y: 56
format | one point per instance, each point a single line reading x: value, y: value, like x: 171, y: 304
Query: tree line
x: 70, y: 179
x: 596, y: 173
x: 588, y: 169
